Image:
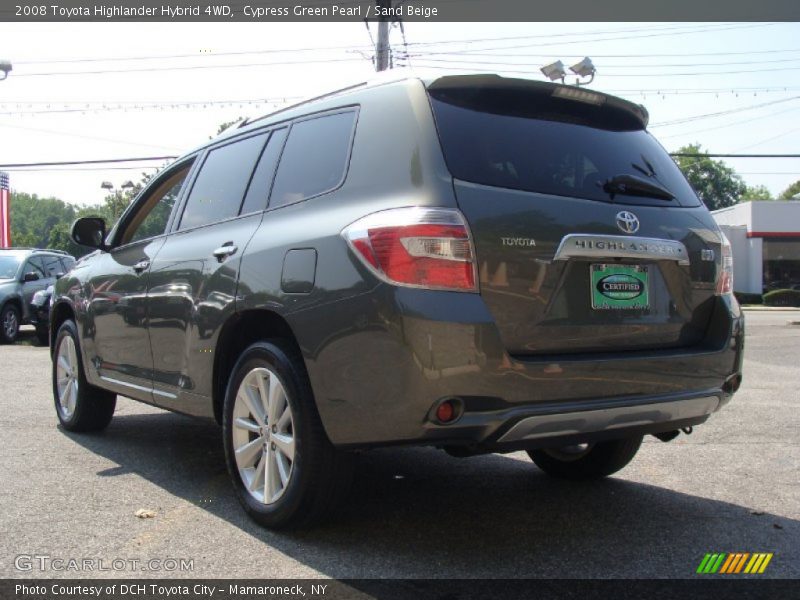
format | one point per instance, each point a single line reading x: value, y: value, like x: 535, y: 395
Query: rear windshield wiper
x: 631, y: 185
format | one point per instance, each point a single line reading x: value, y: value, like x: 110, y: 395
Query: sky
x: 88, y: 91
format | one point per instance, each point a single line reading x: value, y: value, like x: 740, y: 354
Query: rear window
x: 497, y: 140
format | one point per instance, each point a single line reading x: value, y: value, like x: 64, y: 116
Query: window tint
x: 35, y: 264
x: 151, y: 218
x: 315, y: 158
x: 219, y: 188
x: 258, y: 192
x: 52, y: 265
x: 492, y: 141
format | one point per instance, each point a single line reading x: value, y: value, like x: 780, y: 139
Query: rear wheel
x: 586, y: 461
x: 9, y: 324
x: 285, y: 471
x: 79, y: 405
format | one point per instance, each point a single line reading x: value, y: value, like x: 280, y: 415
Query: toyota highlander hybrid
x: 475, y: 263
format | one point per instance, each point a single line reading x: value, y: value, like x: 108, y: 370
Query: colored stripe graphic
x: 734, y: 563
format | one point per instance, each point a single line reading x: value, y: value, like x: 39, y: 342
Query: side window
x: 315, y: 158
x: 219, y: 188
x: 52, y: 266
x: 258, y: 192
x: 152, y: 217
x: 35, y: 264
x: 66, y: 264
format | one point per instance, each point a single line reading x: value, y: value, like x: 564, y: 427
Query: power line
x: 86, y: 162
x: 732, y: 124
x: 722, y: 113
x: 73, y: 169
x: 189, y: 67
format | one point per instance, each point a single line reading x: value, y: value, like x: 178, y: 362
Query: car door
x: 193, y: 279
x: 33, y: 267
x: 119, y: 350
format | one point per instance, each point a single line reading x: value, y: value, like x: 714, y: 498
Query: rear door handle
x: 225, y: 251
x: 141, y: 265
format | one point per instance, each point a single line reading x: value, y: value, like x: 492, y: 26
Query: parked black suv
x: 23, y: 273
x: 476, y: 263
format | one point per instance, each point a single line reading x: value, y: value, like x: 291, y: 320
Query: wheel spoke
x: 63, y: 362
x: 284, y: 468
x: 247, y: 424
x: 263, y: 395
x: 277, y: 399
x: 246, y: 455
x: 273, y: 477
x: 72, y: 396
x: 73, y: 356
x: 246, y: 395
x: 285, y: 420
x: 285, y: 443
x: 258, y: 477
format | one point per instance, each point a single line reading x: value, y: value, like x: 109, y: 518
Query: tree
x: 226, y: 125
x: 790, y: 192
x: 717, y: 184
x: 756, y: 192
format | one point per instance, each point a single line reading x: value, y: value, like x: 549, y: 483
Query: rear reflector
x: 416, y: 246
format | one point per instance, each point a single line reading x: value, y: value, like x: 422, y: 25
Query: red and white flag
x: 5, y: 212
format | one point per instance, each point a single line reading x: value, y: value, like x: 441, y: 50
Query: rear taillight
x: 416, y: 246
x: 725, y: 273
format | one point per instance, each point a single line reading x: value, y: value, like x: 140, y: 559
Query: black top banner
x: 266, y: 11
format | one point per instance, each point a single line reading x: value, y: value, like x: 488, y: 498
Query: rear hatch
x: 587, y: 236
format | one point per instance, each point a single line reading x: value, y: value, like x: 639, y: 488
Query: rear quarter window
x: 315, y: 158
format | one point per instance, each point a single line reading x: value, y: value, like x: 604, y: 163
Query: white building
x: 765, y: 237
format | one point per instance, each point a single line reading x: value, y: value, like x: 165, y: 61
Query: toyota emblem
x: 627, y: 222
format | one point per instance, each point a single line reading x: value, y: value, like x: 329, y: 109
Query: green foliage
x: 782, y: 298
x: 745, y: 298
x: 717, y: 184
x: 757, y: 192
x: 790, y: 192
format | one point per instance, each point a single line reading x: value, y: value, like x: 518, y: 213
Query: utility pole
x: 382, y: 44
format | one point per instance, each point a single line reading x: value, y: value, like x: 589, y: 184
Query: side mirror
x: 89, y: 231
x: 30, y: 276
x: 59, y: 275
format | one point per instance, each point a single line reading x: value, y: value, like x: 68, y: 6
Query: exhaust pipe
x: 668, y: 436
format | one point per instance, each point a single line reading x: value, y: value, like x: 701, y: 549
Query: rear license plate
x: 620, y: 287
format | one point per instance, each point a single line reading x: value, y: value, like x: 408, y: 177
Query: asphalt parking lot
x: 732, y: 486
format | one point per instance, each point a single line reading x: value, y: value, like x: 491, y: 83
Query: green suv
x: 473, y: 263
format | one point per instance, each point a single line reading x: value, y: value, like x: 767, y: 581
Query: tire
x: 80, y: 407
x: 43, y: 335
x: 593, y: 461
x: 299, y: 480
x: 9, y: 324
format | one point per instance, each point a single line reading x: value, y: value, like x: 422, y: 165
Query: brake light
x: 725, y: 273
x: 417, y: 247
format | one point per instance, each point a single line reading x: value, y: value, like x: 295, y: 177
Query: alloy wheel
x: 263, y: 435
x: 67, y: 377
x: 10, y: 324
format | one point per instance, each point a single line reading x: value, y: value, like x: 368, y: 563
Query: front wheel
x: 586, y: 461
x: 79, y: 405
x: 285, y: 471
x: 9, y: 324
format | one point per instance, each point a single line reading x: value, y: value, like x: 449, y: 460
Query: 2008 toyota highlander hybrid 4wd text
x: 475, y: 263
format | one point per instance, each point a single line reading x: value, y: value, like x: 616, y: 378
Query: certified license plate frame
x: 622, y: 275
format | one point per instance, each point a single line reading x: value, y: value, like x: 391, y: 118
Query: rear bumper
x: 376, y: 381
